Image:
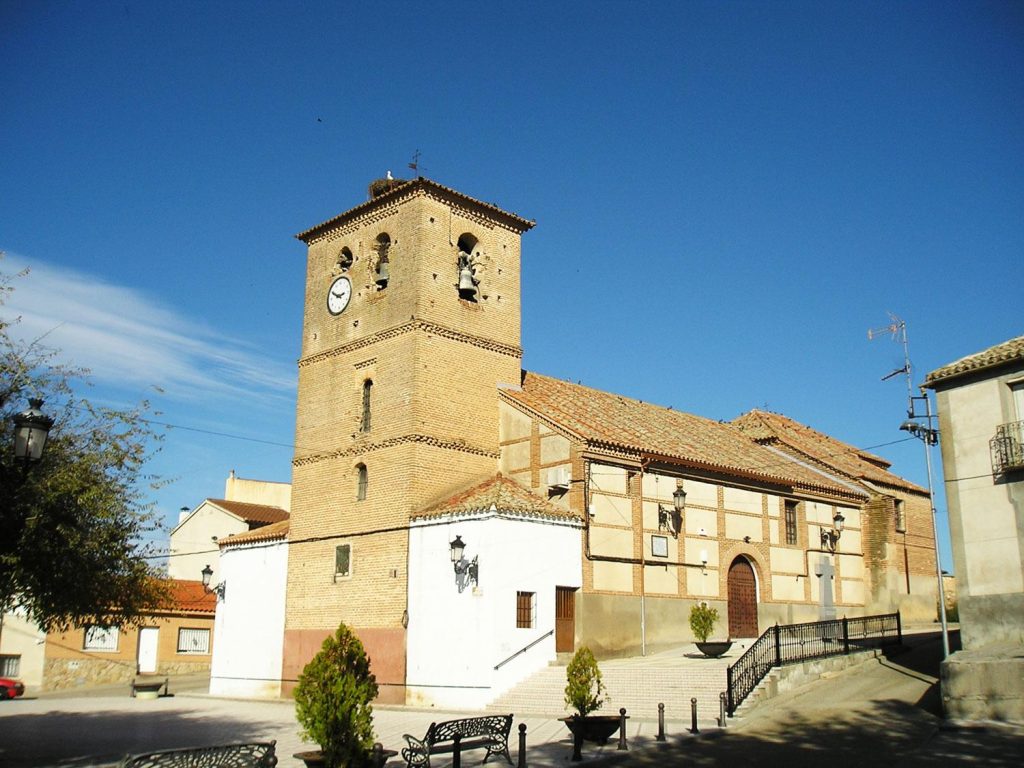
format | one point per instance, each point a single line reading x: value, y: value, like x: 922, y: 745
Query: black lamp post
x: 830, y: 539
x: 31, y: 429
x: 207, y: 574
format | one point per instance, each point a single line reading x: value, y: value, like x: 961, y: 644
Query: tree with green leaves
x: 71, y: 525
x: 333, y: 701
x: 584, y: 690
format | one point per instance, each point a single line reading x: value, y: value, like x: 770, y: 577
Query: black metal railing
x: 793, y: 643
x: 524, y: 649
x: 1007, y: 447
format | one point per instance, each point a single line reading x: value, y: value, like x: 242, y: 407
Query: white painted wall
x: 194, y: 541
x: 23, y: 638
x: 249, y: 626
x: 455, y: 640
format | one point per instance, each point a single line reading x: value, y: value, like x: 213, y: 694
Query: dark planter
x: 596, y: 729
x: 313, y: 759
x: 714, y: 648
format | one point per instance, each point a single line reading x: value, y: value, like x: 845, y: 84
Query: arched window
x: 383, y: 268
x: 364, y: 422
x: 467, y: 264
x: 345, y: 259
x: 362, y: 482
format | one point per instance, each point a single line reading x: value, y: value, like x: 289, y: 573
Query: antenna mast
x: 898, y: 329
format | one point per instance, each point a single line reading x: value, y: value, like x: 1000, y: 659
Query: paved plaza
x: 882, y: 711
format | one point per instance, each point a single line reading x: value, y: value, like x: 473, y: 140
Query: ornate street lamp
x: 672, y: 519
x: 220, y: 589
x: 465, y: 570
x: 829, y: 539
x: 31, y: 429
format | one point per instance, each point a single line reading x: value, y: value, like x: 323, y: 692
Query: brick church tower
x: 411, y: 321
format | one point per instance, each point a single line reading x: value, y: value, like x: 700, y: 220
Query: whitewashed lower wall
x: 456, y: 640
x: 249, y: 627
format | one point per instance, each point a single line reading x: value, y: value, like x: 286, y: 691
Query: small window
x: 342, y: 561
x: 901, y: 516
x: 364, y: 422
x: 526, y: 609
x: 10, y: 666
x: 791, y: 523
x: 100, y: 639
x: 362, y: 482
x: 193, y: 641
x: 659, y: 546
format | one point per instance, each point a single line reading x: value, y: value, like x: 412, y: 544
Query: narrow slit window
x: 364, y: 422
x: 342, y: 561
x: 901, y: 516
x: 791, y: 523
x: 362, y: 482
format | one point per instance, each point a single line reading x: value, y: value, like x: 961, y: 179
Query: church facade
x: 470, y: 520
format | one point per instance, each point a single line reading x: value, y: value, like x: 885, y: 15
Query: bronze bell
x: 382, y: 273
x: 467, y: 288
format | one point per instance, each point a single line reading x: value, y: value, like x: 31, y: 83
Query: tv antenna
x: 898, y: 329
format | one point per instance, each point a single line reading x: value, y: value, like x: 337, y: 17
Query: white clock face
x: 339, y: 295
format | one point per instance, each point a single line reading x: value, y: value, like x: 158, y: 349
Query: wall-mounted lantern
x: 220, y: 589
x: 829, y: 539
x: 672, y: 519
x: 465, y: 570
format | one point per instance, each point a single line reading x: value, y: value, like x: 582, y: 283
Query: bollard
x: 661, y: 723
x: 721, y: 709
x: 577, y: 745
x: 522, y: 746
x: 457, y: 751
x: 622, y: 729
x: 378, y: 755
x: 693, y: 716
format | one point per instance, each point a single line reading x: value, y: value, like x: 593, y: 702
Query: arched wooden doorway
x: 742, y: 599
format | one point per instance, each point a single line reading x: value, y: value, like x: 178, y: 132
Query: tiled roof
x: 420, y: 182
x: 278, y: 530
x: 776, y: 429
x: 1006, y: 352
x: 191, y: 597
x: 498, y: 494
x: 605, y: 420
x: 252, y: 513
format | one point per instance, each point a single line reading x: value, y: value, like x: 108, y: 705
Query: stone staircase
x: 639, y: 684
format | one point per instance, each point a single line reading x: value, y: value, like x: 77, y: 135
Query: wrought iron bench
x: 256, y: 755
x: 489, y: 732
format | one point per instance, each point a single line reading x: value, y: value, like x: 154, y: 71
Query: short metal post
x: 846, y: 636
x: 899, y: 626
x: 577, y: 745
x: 721, y: 709
x: 661, y: 723
x: 378, y: 755
x: 622, y: 729
x: 457, y: 751
x: 522, y: 746
x: 693, y: 715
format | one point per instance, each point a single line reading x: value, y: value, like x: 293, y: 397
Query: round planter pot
x: 714, y: 648
x: 313, y: 759
x: 596, y: 729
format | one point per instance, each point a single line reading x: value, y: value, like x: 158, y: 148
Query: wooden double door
x: 565, y: 619
x: 742, y: 599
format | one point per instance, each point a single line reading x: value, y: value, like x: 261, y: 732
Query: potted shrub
x: 333, y: 703
x: 702, y: 623
x: 584, y: 692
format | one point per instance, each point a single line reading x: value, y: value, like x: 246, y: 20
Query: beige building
x: 247, y: 505
x: 411, y: 396
x: 981, y: 421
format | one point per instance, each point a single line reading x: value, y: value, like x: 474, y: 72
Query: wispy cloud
x: 129, y: 339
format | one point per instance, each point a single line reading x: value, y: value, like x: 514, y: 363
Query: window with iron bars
x: 526, y: 603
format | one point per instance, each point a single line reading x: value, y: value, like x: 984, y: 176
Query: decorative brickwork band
x: 436, y: 442
x: 411, y: 326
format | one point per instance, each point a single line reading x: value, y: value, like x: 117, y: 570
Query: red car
x: 9, y: 688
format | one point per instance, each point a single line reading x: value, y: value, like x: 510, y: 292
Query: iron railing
x: 524, y: 649
x: 793, y: 643
x: 1007, y: 447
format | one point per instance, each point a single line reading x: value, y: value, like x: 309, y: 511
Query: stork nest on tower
x: 379, y: 187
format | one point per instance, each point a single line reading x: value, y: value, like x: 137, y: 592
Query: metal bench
x: 489, y: 732
x: 256, y: 755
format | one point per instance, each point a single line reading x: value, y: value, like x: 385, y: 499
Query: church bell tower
x: 411, y: 322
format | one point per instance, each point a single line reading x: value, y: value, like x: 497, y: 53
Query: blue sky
x: 728, y: 195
